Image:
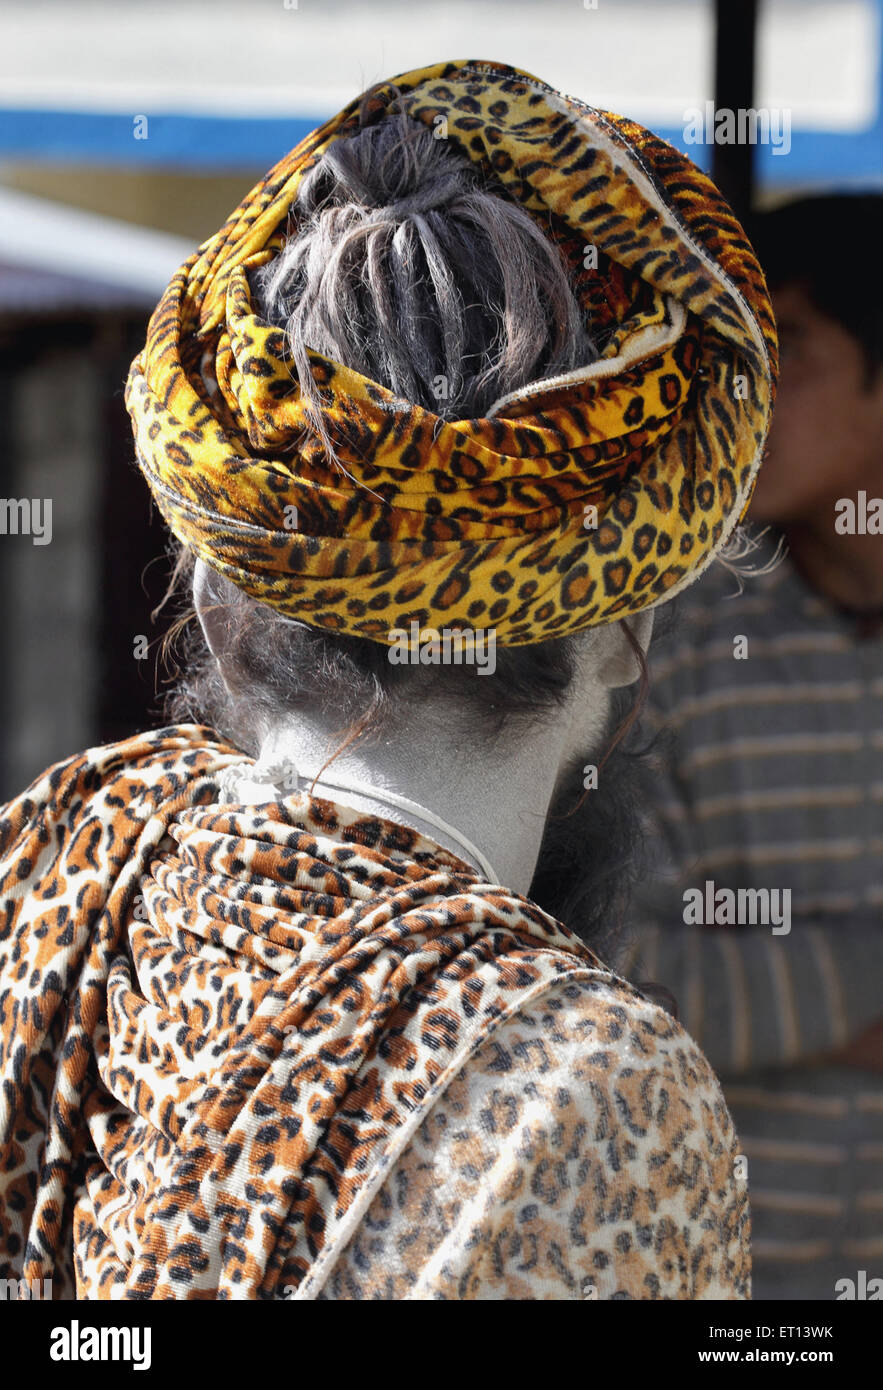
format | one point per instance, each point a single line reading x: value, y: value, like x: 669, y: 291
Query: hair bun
x: 440, y: 192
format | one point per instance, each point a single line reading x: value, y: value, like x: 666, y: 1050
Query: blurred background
x: 127, y: 135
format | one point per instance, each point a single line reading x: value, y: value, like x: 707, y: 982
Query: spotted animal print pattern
x: 227, y: 1033
x: 585, y: 1153
x: 476, y: 523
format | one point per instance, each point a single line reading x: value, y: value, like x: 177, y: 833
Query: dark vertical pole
x: 735, y: 41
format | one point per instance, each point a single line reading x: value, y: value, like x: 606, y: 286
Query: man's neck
x: 495, y: 794
x: 848, y: 570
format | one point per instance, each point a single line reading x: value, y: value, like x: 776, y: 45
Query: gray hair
x: 410, y: 266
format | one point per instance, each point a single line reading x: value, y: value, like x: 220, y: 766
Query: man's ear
x: 614, y: 659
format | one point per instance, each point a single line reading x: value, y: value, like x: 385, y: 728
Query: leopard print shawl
x: 232, y: 1038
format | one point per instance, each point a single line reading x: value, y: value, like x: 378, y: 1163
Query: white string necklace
x: 282, y: 778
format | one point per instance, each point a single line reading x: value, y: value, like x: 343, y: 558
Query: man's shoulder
x: 604, y: 1034
x: 584, y: 1151
x: 133, y: 773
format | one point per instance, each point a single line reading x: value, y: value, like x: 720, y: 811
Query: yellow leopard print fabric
x: 576, y: 500
x: 231, y: 1037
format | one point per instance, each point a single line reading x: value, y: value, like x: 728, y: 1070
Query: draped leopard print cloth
x: 289, y: 1051
x: 577, y: 499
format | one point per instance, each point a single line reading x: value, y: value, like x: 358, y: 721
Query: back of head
x: 471, y: 272
x: 516, y: 327
x: 410, y: 266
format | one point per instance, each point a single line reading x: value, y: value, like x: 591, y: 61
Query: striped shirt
x: 767, y: 773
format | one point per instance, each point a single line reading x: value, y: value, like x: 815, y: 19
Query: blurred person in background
x: 278, y: 1016
x: 769, y: 775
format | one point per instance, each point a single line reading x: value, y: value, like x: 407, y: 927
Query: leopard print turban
x: 577, y: 499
